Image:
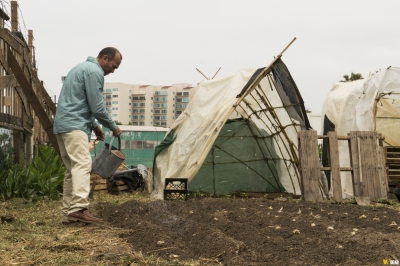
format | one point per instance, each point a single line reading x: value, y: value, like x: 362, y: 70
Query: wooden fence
x: 367, y: 165
x: 25, y: 106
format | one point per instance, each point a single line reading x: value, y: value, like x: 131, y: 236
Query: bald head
x: 109, y: 59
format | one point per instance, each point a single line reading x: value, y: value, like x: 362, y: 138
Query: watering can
x: 106, y: 163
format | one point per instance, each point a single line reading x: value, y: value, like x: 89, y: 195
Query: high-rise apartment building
x: 146, y: 105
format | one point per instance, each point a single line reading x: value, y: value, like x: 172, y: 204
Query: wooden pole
x: 216, y: 73
x: 202, y: 73
x: 14, y: 16
x: 261, y: 75
x: 30, y: 44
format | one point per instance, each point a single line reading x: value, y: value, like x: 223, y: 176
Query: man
x: 79, y: 104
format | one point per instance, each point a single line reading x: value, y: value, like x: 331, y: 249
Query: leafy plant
x: 13, y: 182
x: 46, y: 173
x: 43, y: 178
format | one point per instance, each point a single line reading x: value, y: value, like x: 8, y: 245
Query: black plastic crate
x: 176, y: 184
x: 175, y: 194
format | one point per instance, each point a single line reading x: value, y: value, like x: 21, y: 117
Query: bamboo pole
x: 216, y: 73
x: 202, y: 73
x: 262, y: 74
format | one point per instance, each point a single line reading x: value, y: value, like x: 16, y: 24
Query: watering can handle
x: 119, y: 143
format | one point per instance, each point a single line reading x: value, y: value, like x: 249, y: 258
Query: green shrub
x: 43, y: 178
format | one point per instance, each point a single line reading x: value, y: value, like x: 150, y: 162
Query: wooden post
x: 17, y: 146
x: 28, y: 148
x: 335, y: 165
x: 30, y: 45
x: 309, y: 163
x: 383, y: 179
x: 14, y: 16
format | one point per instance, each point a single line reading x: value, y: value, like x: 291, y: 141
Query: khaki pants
x: 76, y: 157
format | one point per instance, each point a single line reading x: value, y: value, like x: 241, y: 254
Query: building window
x: 108, y: 103
x: 179, y: 100
x: 142, y: 111
x: 178, y: 112
x: 115, y: 102
x: 108, y: 90
x: 163, y: 124
x: 130, y: 97
x: 129, y: 103
x: 115, y: 108
x: 161, y: 93
x: 135, y: 111
x: 164, y: 111
x: 108, y: 109
x: 142, y: 104
x: 157, y: 111
x: 164, y: 117
x: 134, y: 117
x: 142, y: 98
x: 115, y: 96
x: 135, y: 123
x: 125, y: 144
x: 115, y: 89
x: 179, y: 94
x: 141, y: 123
x: 108, y: 96
x: 142, y: 117
x: 186, y: 93
x: 185, y: 100
x: 136, y: 144
x: 148, y: 145
x: 114, y: 115
x: 135, y: 104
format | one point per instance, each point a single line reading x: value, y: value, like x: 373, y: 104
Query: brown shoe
x: 86, y: 211
x: 83, y: 216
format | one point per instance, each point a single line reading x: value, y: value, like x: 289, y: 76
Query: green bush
x: 43, y: 178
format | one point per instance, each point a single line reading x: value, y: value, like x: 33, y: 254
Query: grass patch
x: 32, y: 234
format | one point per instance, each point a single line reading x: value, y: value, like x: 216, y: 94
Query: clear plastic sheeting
x: 238, y: 133
x: 371, y: 104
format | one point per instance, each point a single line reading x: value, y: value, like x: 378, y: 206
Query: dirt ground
x: 259, y: 231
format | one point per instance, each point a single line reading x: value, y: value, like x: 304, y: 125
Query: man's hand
x: 99, y: 133
x: 117, y: 132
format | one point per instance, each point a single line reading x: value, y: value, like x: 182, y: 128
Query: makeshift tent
x: 237, y: 133
x: 371, y: 104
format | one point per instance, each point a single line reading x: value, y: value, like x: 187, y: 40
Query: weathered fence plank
x: 335, y: 166
x: 310, y: 167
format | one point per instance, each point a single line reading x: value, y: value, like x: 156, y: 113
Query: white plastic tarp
x: 211, y: 105
x: 371, y: 104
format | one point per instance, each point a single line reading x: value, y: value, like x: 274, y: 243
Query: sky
x: 164, y: 41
